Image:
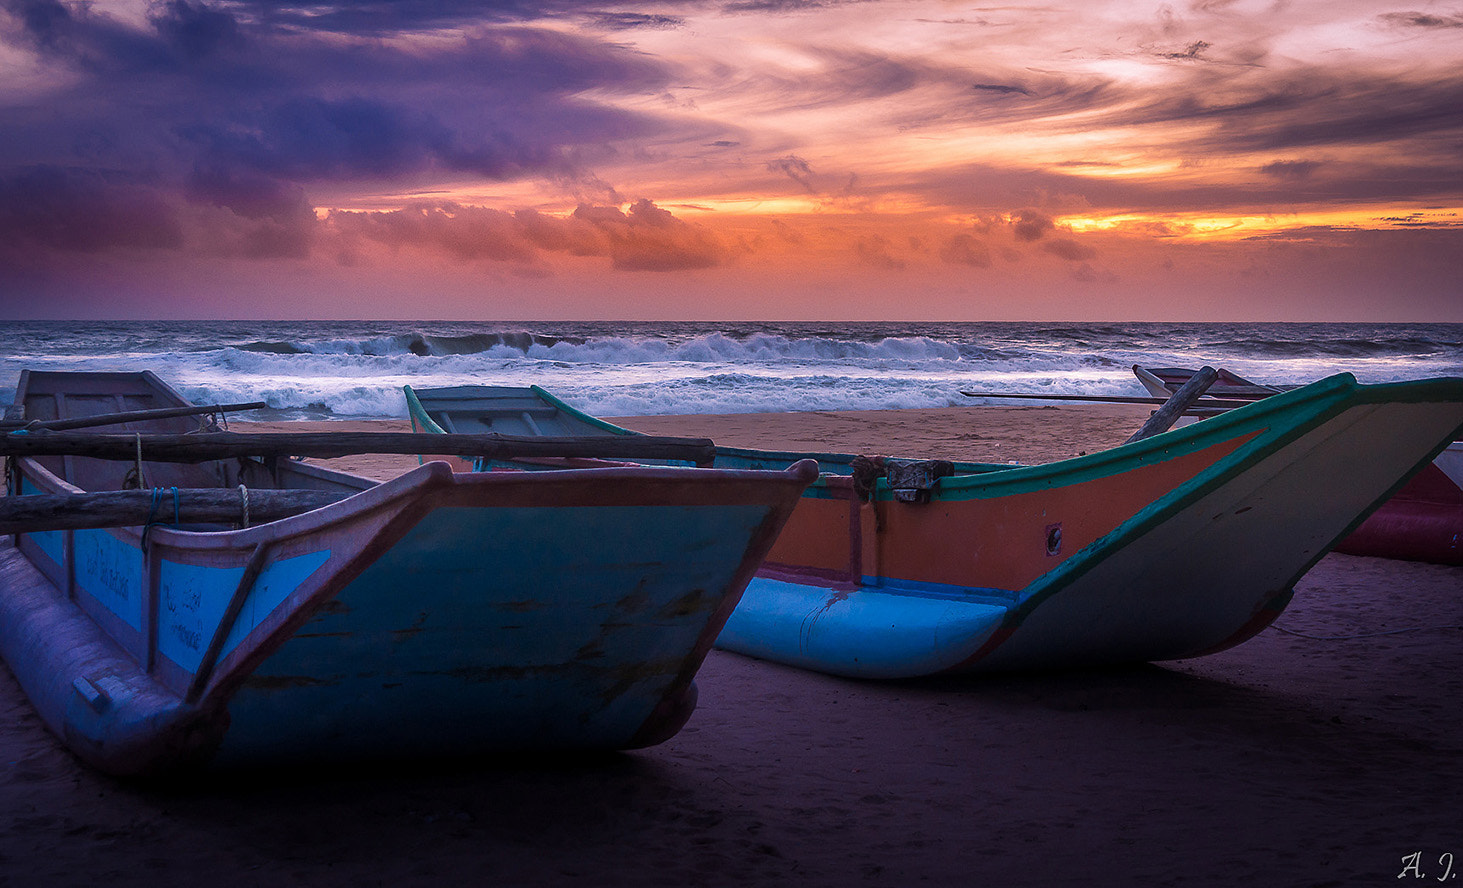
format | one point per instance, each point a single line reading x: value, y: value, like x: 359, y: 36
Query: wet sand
x: 1293, y: 759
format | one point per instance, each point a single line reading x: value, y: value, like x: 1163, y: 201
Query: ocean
x: 355, y: 369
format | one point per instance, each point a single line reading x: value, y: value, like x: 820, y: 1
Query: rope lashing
x: 244, y: 505
x: 867, y: 470
x: 133, y: 480
x: 157, y: 500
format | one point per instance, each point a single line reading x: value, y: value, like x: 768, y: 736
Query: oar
x: 101, y: 419
x: 127, y: 508
x: 1225, y: 403
x: 201, y: 447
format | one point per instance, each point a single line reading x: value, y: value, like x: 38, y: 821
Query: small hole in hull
x: 1053, y: 539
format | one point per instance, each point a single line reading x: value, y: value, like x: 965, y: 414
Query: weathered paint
x: 110, y: 571
x: 1171, y: 546
x: 1422, y: 521
x: 573, y: 646
x: 190, y: 603
x: 418, y: 615
x: 1201, y: 567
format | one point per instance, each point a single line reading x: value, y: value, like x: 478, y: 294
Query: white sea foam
x: 353, y: 369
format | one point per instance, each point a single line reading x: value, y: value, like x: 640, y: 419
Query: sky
x: 732, y: 159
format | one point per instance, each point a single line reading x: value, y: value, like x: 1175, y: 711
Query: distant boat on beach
x: 1422, y: 521
x: 433, y: 614
x: 1172, y: 546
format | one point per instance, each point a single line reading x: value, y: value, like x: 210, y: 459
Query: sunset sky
x: 818, y: 159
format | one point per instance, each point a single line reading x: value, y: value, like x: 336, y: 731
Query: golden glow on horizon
x: 1237, y: 227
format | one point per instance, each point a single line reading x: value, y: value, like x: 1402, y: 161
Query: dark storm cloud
x: 1291, y: 169
x: 778, y: 6
x: 1311, y: 108
x: 1001, y: 88
x: 180, y: 34
x: 249, y: 195
x: 84, y: 211
x: 1030, y: 225
x: 247, y: 107
x: 979, y: 187
x: 309, y: 138
x: 1421, y: 20
x: 630, y: 21
x: 388, y: 17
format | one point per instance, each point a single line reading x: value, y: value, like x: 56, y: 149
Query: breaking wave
x: 357, y: 369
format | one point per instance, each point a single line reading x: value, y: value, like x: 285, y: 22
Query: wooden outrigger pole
x: 1226, y: 403
x: 202, y: 447
x: 101, y: 419
x: 37, y: 513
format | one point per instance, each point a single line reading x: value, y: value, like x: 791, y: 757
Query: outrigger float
x: 238, y: 609
x: 1176, y: 544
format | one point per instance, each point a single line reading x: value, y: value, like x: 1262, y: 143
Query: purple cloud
x: 644, y: 238
x: 88, y: 211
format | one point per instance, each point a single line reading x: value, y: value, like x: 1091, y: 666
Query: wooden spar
x: 1218, y: 403
x: 192, y: 448
x: 1164, y: 417
x: 130, y: 508
x: 101, y: 419
x: 252, y: 569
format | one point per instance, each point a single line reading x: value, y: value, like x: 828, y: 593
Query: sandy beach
x: 1325, y: 751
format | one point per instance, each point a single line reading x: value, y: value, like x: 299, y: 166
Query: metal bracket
x: 912, y: 480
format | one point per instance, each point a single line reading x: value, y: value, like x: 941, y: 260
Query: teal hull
x: 434, y: 614
x: 1174, y: 546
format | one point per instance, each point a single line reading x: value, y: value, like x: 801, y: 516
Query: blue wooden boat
x: 1172, y: 546
x: 436, y: 613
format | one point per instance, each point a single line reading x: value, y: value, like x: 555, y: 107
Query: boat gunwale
x: 988, y: 480
x: 1136, y: 527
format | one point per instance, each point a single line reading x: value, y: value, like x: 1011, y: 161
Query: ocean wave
x: 709, y: 347
x: 1347, y: 347
x: 356, y: 369
x: 419, y: 344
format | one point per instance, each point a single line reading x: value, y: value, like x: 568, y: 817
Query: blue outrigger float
x: 436, y: 613
x: 1176, y: 545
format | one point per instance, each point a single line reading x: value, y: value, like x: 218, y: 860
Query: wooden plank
x: 1164, y: 417
x: 194, y: 448
x: 252, y: 569
x: 131, y: 508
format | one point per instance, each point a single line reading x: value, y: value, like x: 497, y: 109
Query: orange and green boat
x: 1177, y: 545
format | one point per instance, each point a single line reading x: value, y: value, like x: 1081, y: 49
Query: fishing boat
x: 1175, y: 545
x: 437, y: 613
x: 1423, y: 521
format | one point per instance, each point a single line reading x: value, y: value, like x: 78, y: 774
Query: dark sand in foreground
x: 1285, y: 761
